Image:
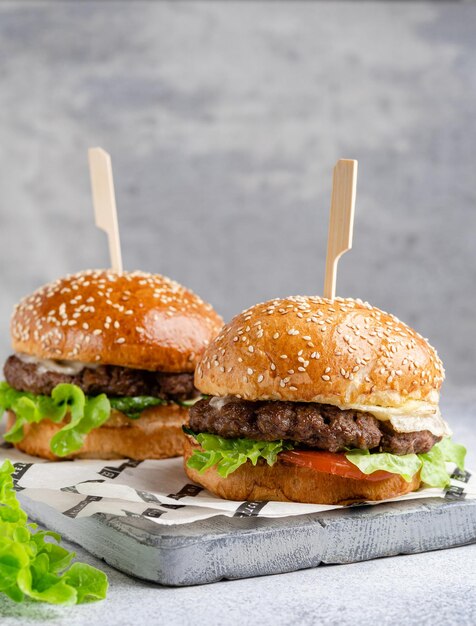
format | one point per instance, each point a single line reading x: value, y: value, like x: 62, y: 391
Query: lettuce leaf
x: 188, y: 403
x: 95, y: 412
x: 228, y: 454
x: 433, y: 469
x: 85, y: 412
x: 32, y: 566
x: 432, y: 464
x: 406, y: 465
x: 133, y: 406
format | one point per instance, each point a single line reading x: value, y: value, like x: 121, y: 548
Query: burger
x: 318, y: 401
x: 103, y: 366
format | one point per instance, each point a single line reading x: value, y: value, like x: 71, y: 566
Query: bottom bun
x: 285, y: 482
x: 156, y: 434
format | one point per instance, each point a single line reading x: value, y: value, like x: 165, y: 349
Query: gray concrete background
x: 224, y: 121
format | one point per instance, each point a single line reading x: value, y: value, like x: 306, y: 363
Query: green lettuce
x: 85, y: 412
x: 188, y: 403
x: 228, y: 454
x: 406, y: 465
x: 133, y: 406
x: 33, y: 564
x: 431, y: 465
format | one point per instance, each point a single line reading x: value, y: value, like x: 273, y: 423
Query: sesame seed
x: 325, y: 377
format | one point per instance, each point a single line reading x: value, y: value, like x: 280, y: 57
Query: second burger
x: 103, y: 366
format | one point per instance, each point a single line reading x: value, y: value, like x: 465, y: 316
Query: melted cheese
x: 218, y: 402
x: 70, y: 368
x: 413, y: 416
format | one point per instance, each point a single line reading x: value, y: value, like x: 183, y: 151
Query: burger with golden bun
x: 103, y: 366
x: 318, y: 401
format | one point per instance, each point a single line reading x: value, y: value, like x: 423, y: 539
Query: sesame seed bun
x: 285, y: 482
x: 156, y: 434
x: 309, y: 349
x: 133, y: 319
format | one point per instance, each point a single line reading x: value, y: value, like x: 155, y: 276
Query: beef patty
x: 109, y: 379
x: 320, y: 426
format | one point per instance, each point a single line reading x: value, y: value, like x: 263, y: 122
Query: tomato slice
x: 330, y: 463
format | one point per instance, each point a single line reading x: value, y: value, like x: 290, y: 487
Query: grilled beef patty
x: 320, y: 426
x: 109, y: 379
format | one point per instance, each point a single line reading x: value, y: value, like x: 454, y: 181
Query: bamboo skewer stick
x: 104, y: 202
x: 341, y: 220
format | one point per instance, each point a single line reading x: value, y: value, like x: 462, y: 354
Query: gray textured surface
x: 437, y: 588
x: 229, y: 549
x: 224, y: 121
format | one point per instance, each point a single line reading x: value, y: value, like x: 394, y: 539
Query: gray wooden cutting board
x: 241, y: 547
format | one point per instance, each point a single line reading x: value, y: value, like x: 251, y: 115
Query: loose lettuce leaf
x: 133, y: 406
x: 228, y: 454
x: 32, y: 566
x: 85, y: 580
x: 85, y: 414
x: 432, y: 464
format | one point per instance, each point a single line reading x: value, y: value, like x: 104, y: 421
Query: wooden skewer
x: 341, y: 220
x: 104, y: 202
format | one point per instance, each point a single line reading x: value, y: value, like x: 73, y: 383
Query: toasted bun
x: 284, y: 482
x: 132, y: 319
x: 157, y: 434
x: 310, y: 349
